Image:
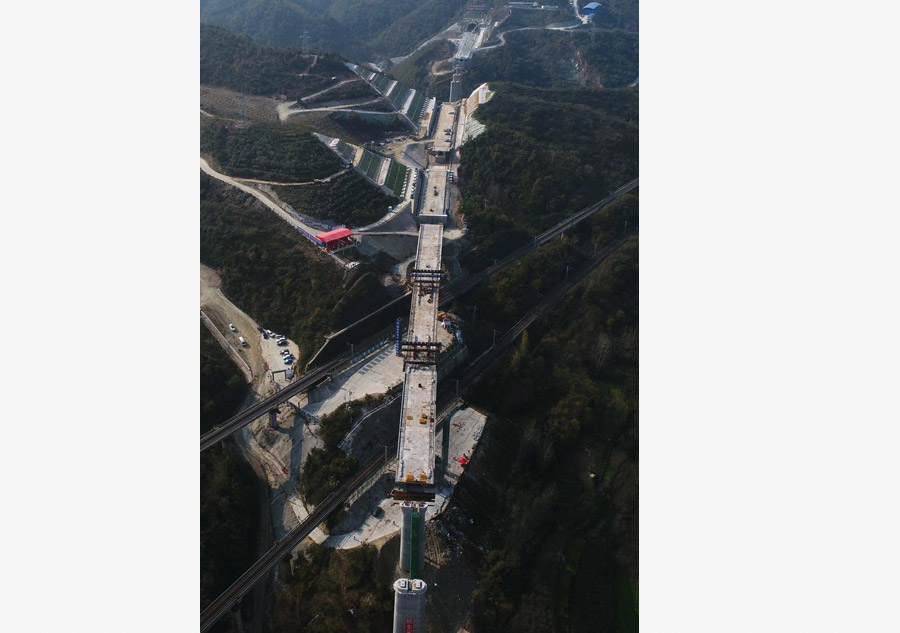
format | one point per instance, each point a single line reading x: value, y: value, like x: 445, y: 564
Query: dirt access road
x: 222, y: 312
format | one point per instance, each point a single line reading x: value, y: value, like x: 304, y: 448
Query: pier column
x: 412, y: 538
x: 409, y: 606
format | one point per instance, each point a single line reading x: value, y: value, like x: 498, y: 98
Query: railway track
x: 283, y: 547
x: 307, y: 380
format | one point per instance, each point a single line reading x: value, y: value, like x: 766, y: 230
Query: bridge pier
x: 273, y: 418
x: 412, y: 538
x: 409, y: 605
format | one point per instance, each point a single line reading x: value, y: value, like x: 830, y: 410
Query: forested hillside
x: 229, y: 491
x: 544, y: 155
x: 562, y: 533
x: 414, y: 71
x: 229, y: 511
x: 235, y: 61
x: 277, y: 276
x: 267, y: 152
x: 560, y: 59
x: 222, y: 386
x: 352, y: 28
x: 347, y: 199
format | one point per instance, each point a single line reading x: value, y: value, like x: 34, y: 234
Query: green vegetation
x: 354, y: 90
x: 544, y: 155
x: 222, y: 386
x: 353, y: 28
x: 560, y: 59
x: 370, y: 164
x: 399, y: 96
x: 326, y: 468
x: 396, y: 177
x: 348, y: 199
x: 334, y: 590
x: 356, y: 128
x: 236, y: 62
x: 568, y: 405
x: 415, y: 107
x: 415, y: 70
x: 229, y: 507
x: 267, y: 152
x: 278, y: 277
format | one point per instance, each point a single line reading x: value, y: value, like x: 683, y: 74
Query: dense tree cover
x: 563, y: 537
x: 334, y: 590
x: 560, y: 59
x: 229, y: 510
x: 414, y: 71
x: 353, y: 127
x: 266, y: 152
x: 326, y: 468
x: 277, y: 276
x: 353, y: 90
x: 353, y: 28
x: 504, y: 298
x: 542, y: 158
x: 347, y: 199
x: 236, y: 62
x: 222, y: 386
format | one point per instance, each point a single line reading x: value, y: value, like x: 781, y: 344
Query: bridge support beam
x: 273, y: 418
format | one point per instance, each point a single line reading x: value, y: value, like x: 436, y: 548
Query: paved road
x: 259, y: 195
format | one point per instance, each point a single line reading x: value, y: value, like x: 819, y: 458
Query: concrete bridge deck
x: 415, y: 452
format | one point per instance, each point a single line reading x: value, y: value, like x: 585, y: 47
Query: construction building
x: 335, y: 239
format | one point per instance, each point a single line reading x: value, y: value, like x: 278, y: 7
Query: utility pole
x: 494, y: 342
x: 567, y: 271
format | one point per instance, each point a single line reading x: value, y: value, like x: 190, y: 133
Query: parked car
x: 231, y: 327
x: 288, y: 360
x: 265, y: 336
x: 261, y: 331
x: 282, y: 342
x: 285, y: 352
x: 243, y: 342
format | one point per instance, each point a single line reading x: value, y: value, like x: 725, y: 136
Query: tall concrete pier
x: 409, y: 606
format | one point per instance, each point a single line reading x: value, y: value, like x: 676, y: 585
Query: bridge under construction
x: 416, y: 448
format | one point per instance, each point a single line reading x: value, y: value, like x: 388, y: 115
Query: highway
x: 282, y: 548
x: 448, y: 294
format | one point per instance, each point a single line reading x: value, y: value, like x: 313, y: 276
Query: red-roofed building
x: 335, y: 239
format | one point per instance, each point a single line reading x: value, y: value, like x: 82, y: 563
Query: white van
x: 243, y: 341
